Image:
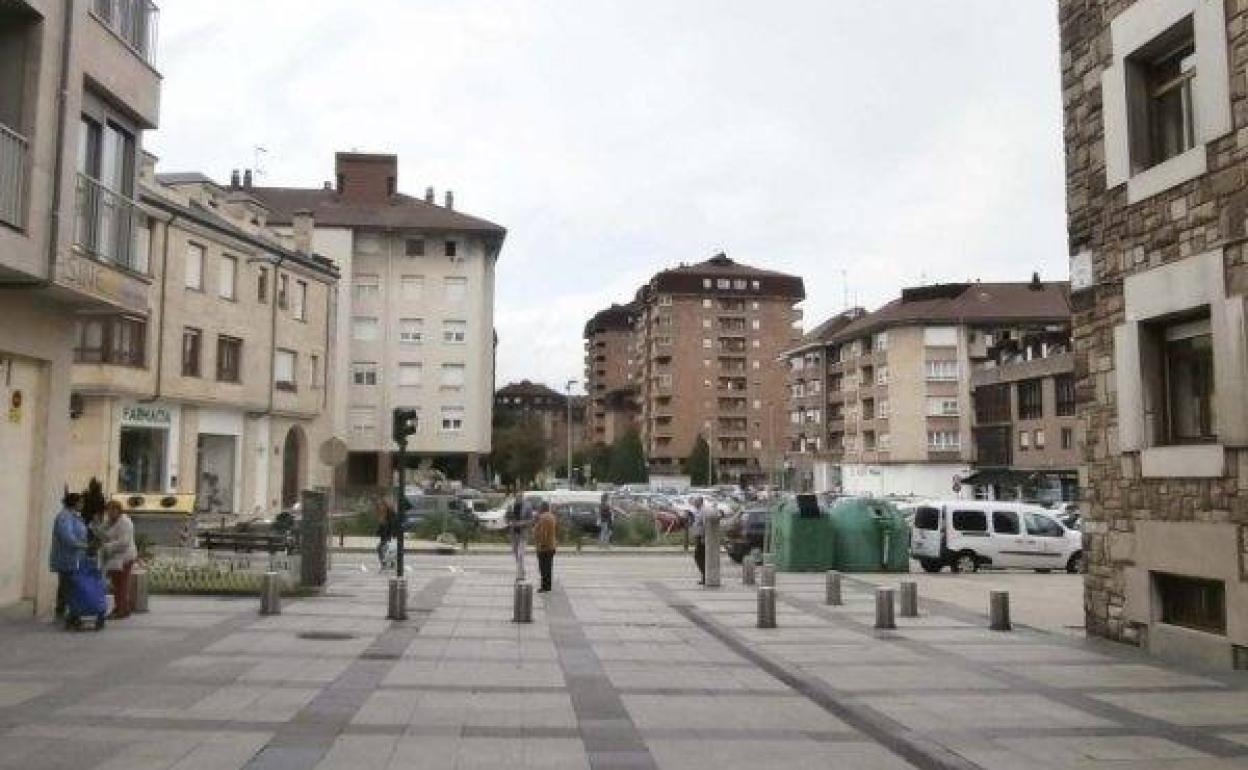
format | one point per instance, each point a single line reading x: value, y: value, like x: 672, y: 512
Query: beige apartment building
x: 708, y: 336
x: 220, y: 387
x: 417, y: 323
x: 80, y: 88
x: 610, y: 368
x: 896, y: 410
x: 1156, y: 130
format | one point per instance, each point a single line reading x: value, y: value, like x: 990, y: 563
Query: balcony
x: 14, y: 149
x: 107, y: 223
x: 134, y: 21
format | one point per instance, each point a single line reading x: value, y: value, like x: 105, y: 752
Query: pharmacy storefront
x: 147, y: 452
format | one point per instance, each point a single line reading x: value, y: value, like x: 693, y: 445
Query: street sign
x: 333, y: 451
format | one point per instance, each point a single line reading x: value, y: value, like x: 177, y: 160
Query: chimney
x: 1035, y: 282
x: 450, y: 200
x: 303, y: 224
x: 366, y: 177
x: 247, y: 179
x: 327, y: 185
x: 234, y: 179
x: 428, y: 195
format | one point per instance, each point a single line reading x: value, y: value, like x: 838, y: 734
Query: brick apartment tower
x: 1156, y: 130
x: 609, y: 374
x: 709, y: 336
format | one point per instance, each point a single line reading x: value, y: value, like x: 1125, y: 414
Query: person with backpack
x: 519, y: 519
x: 606, y: 517
x: 545, y: 540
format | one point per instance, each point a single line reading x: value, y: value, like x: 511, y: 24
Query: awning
x: 1010, y: 477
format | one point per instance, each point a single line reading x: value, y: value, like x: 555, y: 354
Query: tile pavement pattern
x: 627, y: 664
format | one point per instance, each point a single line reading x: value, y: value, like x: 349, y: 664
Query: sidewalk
x: 628, y: 664
x: 363, y: 544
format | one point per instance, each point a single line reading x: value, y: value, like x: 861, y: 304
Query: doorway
x: 214, y: 490
x: 293, y: 450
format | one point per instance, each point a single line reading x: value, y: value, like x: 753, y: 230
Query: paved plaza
x: 628, y: 664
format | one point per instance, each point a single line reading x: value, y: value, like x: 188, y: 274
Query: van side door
x: 1016, y: 548
x: 1050, y: 539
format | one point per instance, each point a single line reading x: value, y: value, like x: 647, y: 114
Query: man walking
x: 606, y: 517
x: 697, y: 530
x: 545, y: 538
x: 519, y: 519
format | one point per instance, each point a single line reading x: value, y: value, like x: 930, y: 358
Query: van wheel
x: 964, y: 562
x: 930, y: 565
x: 1075, y: 564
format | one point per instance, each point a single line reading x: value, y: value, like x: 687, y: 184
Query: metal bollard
x: 767, y: 576
x: 884, y: 608
x: 522, y: 603
x: 832, y: 593
x: 999, y: 611
x: 396, y: 599
x: 271, y: 594
x: 747, y: 572
x: 138, y: 590
x: 767, y: 607
x: 908, y: 599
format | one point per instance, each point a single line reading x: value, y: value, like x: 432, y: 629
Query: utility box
x: 870, y: 536
x: 802, y: 539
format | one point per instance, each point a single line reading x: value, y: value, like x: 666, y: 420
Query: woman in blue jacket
x: 69, y: 545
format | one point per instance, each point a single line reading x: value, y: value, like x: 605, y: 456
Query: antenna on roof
x: 845, y: 286
x: 256, y: 152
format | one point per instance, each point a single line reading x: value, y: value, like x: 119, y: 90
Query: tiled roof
x: 402, y: 211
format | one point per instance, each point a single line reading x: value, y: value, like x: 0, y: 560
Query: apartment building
x: 1023, y: 423
x: 897, y: 419
x: 80, y: 88
x: 610, y: 366
x: 708, y: 336
x: 1156, y: 130
x: 417, y: 326
x: 220, y: 388
x: 560, y: 417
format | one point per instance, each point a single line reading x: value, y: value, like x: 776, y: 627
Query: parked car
x: 746, y: 530
x: 582, y: 517
x: 968, y: 534
x: 448, y: 510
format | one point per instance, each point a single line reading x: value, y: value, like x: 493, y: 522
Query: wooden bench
x: 246, y: 542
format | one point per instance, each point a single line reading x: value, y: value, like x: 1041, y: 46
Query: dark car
x: 582, y: 517
x: 448, y: 511
x: 746, y: 530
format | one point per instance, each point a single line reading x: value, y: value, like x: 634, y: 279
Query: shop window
x: 191, y: 351
x: 117, y: 340
x: 141, y: 459
x: 1196, y: 603
x: 229, y: 359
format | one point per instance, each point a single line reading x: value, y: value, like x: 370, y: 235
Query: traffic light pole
x: 400, y: 504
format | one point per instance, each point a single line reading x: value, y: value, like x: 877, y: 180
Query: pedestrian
x: 519, y: 519
x: 606, y: 517
x: 69, y: 545
x: 387, y: 526
x: 118, y: 551
x: 545, y: 539
x: 696, y: 528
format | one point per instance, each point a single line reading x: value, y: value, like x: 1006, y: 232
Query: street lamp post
x: 569, y: 388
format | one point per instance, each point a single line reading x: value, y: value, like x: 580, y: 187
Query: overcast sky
x: 891, y: 142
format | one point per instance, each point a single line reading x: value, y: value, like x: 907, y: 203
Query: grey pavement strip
x: 908, y: 744
x: 1074, y: 698
x: 303, y: 742
x: 611, y: 740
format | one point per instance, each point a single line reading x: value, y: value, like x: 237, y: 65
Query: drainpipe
x: 160, y: 324
x: 277, y: 267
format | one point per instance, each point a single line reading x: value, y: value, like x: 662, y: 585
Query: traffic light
x: 405, y: 422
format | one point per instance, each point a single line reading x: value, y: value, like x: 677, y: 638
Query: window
x: 364, y: 328
x: 927, y: 518
x: 881, y: 341
x: 868, y: 409
x: 942, y: 407
x: 1191, y: 602
x: 194, y: 278
x: 970, y: 521
x: 1024, y: 440
x: 868, y: 441
x: 454, y: 332
x: 1160, y: 77
x: 456, y: 289
x: 227, y: 274
x: 414, y: 247
x: 706, y: 343
x: 1030, y: 400
x: 115, y: 340
x: 191, y: 345
x: 1068, y: 438
x: 992, y: 403
x: 283, y: 291
x: 706, y: 283
x: 706, y: 304
x: 942, y: 370
x: 285, y: 364
x: 411, y: 287
x: 452, y: 419
x: 364, y: 373
x: 301, y: 300
x: 229, y: 359
x: 452, y: 248
x: 723, y: 283
x: 1037, y: 439
x: 1188, y: 382
x: 363, y: 420
x: 1005, y: 523
x: 262, y: 285
x: 1039, y: 525
x: 706, y: 323
x: 1064, y: 391
x: 881, y: 409
x: 452, y: 376
x: 885, y: 442
x: 365, y: 287
x: 739, y: 284
x: 410, y: 375
x: 315, y: 361
x: 665, y: 300
x: 411, y: 330
x: 943, y: 440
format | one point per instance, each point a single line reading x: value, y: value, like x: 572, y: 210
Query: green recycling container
x: 870, y: 536
x: 801, y: 536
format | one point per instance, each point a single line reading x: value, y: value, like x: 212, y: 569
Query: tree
x: 698, y: 464
x: 519, y: 452
x: 628, y: 460
x: 600, y: 461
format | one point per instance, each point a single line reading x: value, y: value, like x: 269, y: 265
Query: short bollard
x: 767, y: 575
x: 138, y: 590
x: 711, y: 538
x: 747, y: 571
x: 271, y: 594
x: 884, y: 608
x: 999, y: 611
x: 522, y: 603
x: 832, y: 594
x: 396, y: 604
x: 766, y: 607
x: 908, y: 599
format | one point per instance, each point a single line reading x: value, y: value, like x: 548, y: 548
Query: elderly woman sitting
x: 118, y: 552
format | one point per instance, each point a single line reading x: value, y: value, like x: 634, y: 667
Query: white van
x: 969, y: 534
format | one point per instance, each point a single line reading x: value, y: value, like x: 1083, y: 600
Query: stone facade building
x: 1156, y: 131
x: 610, y: 364
x: 79, y: 89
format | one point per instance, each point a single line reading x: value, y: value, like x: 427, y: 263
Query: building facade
x: 708, y: 336
x: 894, y: 417
x: 559, y: 417
x: 1156, y: 131
x: 610, y: 368
x: 76, y: 75
x: 220, y: 386
x: 417, y: 326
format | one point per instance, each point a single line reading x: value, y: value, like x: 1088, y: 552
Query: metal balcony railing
x: 107, y: 223
x: 134, y: 21
x: 13, y: 152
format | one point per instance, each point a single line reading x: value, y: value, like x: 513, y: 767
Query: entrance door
x: 19, y: 516
x: 214, y: 479
x: 293, y: 460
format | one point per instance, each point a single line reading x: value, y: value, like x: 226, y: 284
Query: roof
x: 185, y: 177
x: 402, y: 212
x: 528, y: 389
x: 616, y: 317
x: 688, y: 279
x: 968, y: 303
